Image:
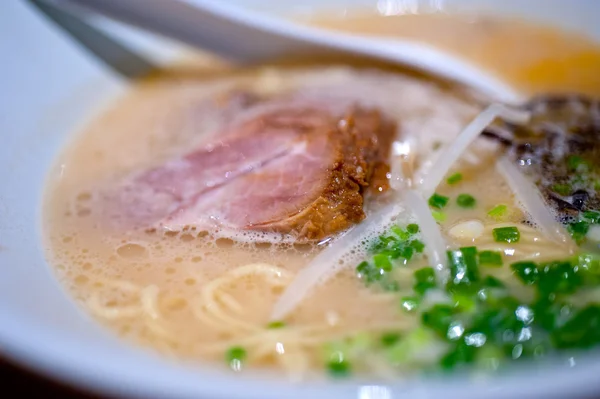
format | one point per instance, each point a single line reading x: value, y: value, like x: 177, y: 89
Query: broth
x: 160, y: 289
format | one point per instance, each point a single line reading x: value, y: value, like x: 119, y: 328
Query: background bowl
x: 51, y: 86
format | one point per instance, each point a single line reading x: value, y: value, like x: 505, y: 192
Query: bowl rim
x: 26, y: 342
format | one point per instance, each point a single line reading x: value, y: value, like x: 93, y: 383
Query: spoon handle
x: 201, y: 24
x: 244, y: 36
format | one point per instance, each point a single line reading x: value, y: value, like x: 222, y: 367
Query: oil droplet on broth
x: 186, y: 237
x: 131, y: 251
x: 84, y: 196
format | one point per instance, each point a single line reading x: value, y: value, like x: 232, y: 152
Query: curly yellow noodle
x: 221, y: 312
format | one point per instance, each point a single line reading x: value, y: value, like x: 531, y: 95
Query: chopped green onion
x: 490, y: 258
x: 381, y: 243
x: 363, y: 268
x: 438, y: 201
x: 455, y: 178
x: 438, y: 216
x: 418, y: 245
x: 493, y: 282
x: 236, y: 353
x: 382, y: 262
x: 559, y: 277
x: 506, y: 234
x: 592, y: 217
x: 338, y: 368
x: 439, y: 318
x: 276, y: 324
x: 368, y: 272
x: 394, y: 250
x: 410, y: 303
x: 424, y: 280
x: 526, y: 271
x: 562, y: 189
x: 578, y: 230
x: 389, y: 339
x: 498, y: 212
x: 402, y: 234
x: 407, y: 252
x: 466, y: 201
x: 412, y: 228
x: 464, y: 301
x: 235, y: 356
x: 580, y: 331
x: 463, y: 266
x: 589, y: 262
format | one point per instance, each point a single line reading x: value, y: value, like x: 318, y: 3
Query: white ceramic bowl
x: 50, y: 87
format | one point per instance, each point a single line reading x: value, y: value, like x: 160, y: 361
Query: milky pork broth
x: 310, y: 217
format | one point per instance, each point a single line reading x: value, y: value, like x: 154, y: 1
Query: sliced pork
x: 300, y: 168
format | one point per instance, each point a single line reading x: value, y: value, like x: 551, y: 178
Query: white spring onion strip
x: 450, y: 155
x: 327, y: 263
x: 402, y: 156
x: 435, y: 246
x: 531, y: 200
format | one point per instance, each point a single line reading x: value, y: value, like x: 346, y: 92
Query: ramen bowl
x: 53, y: 87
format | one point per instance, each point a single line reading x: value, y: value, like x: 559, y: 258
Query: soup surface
x: 200, y: 291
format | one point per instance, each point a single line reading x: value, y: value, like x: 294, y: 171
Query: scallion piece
x: 418, y: 245
x: 439, y: 318
x: 465, y: 302
x: 407, y: 252
x: 466, y: 201
x: 438, y: 201
x: 439, y: 217
x: 424, y: 280
x: 490, y: 258
x: 493, y: 282
x: 276, y: 324
x: 455, y: 178
x: 526, y: 271
x: 235, y: 356
x: 362, y: 269
x: 338, y: 368
x: 498, y: 212
x: 382, y: 262
x: 412, y: 228
x: 559, y: 277
x: 578, y: 230
x: 506, y: 234
x: 591, y: 216
x: 389, y: 339
x: 463, y: 266
x: 410, y: 303
x: 580, y: 331
x: 400, y: 233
